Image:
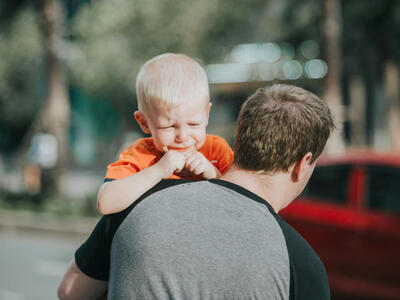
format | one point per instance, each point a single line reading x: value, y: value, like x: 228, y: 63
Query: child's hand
x: 199, y: 165
x: 172, y: 161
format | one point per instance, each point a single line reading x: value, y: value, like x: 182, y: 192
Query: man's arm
x: 77, y: 286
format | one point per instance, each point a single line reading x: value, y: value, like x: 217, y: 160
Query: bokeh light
x: 315, y: 68
x: 270, y: 52
x: 223, y: 73
x: 266, y: 71
x: 292, y: 69
x: 309, y: 49
x: 246, y: 53
x: 288, y: 51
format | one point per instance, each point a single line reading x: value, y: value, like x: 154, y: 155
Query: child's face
x: 180, y: 128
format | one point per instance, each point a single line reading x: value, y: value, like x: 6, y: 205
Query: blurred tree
x: 332, y: 29
x: 365, y: 57
x: 321, y: 21
x: 53, y: 117
x: 109, y: 40
x: 20, y: 89
x: 372, y: 55
x: 392, y: 80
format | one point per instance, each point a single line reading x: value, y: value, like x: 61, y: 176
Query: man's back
x: 203, y: 240
x: 216, y: 239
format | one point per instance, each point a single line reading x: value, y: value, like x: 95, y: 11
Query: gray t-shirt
x: 201, y: 240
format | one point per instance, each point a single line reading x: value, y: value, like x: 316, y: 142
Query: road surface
x: 32, y: 264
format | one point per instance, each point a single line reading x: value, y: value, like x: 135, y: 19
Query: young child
x: 174, y: 105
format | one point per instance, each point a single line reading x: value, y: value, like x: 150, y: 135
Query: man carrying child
x: 217, y: 238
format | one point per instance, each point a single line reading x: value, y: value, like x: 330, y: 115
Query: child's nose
x: 181, y: 134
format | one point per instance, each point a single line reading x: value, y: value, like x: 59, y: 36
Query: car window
x: 384, y: 189
x: 328, y: 184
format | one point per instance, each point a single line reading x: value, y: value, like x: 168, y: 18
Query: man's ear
x: 142, y: 121
x: 297, y: 170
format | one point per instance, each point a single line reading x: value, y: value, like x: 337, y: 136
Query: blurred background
x: 67, y: 97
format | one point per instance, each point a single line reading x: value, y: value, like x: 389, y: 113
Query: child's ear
x: 208, y: 110
x: 142, y: 121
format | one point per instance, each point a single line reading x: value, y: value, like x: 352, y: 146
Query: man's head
x: 174, y: 102
x: 278, y: 126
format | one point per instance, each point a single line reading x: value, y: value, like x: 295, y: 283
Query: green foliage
x: 108, y: 41
x: 59, y: 206
x: 20, y: 69
x: 52, y: 204
x: 112, y: 39
x: 23, y: 200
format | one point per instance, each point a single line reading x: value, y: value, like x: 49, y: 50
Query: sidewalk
x: 46, y: 223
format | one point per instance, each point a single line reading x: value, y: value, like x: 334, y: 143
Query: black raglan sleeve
x: 93, y: 256
x: 308, y: 278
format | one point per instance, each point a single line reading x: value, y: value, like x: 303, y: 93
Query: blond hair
x: 170, y: 79
x: 278, y: 125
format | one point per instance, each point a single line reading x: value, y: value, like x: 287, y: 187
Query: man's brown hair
x: 278, y: 125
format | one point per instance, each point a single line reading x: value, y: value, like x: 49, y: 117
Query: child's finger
x: 189, y: 160
x: 195, y: 164
x: 189, y: 154
x: 197, y: 171
x: 180, y: 160
x: 178, y: 169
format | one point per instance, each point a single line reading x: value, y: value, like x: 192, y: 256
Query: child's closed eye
x: 165, y: 127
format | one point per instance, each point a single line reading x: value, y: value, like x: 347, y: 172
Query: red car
x: 350, y: 214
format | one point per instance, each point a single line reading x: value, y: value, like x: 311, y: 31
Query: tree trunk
x: 55, y: 115
x: 333, y: 92
x: 357, y: 113
x: 392, y: 80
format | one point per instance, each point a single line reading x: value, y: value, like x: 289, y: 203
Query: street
x: 32, y: 265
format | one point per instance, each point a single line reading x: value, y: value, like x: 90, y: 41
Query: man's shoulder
x: 166, y: 183
x: 306, y: 267
x: 117, y: 218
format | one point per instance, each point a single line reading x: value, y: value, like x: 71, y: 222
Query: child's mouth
x: 180, y: 149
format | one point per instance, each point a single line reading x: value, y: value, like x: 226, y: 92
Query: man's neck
x: 272, y: 188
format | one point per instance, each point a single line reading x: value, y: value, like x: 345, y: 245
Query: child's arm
x: 198, y: 164
x: 117, y: 195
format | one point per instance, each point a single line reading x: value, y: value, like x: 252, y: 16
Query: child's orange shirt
x: 143, y: 154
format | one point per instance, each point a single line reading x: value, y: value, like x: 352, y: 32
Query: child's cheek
x: 200, y: 138
x: 167, y: 138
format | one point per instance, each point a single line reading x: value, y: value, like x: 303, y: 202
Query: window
x: 384, y: 189
x: 328, y: 184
